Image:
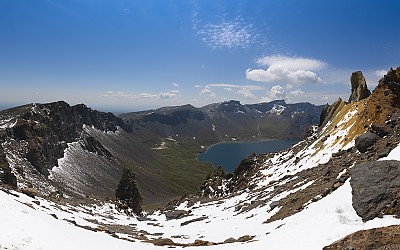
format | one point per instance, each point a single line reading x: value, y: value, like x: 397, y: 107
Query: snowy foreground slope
x: 35, y: 223
x: 26, y: 225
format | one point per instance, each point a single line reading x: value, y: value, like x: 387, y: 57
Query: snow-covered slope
x: 243, y: 216
x: 28, y: 223
x: 300, y: 198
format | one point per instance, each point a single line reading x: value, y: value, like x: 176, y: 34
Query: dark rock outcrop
x: 381, y: 129
x: 328, y: 112
x: 376, y: 188
x: 175, y: 214
x: 365, y: 141
x: 392, y: 77
x: 213, y: 183
x: 359, y: 89
x: 128, y: 192
x: 6, y: 176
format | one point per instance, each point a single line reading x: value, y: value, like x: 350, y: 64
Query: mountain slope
x: 57, y: 148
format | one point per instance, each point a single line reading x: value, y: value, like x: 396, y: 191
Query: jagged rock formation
x: 359, y: 89
x: 328, y: 112
x: 376, y: 188
x: 214, y: 182
x: 128, y: 192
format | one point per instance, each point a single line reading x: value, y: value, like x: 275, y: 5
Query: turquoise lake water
x: 229, y: 155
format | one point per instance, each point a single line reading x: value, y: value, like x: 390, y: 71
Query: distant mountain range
x: 226, y: 121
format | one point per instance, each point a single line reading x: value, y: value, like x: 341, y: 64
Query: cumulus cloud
x: 289, y: 70
x: 277, y: 92
x: 228, y: 34
x: 206, y: 91
x: 247, y: 93
x: 163, y: 95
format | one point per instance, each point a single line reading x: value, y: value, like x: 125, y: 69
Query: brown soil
x: 384, y: 238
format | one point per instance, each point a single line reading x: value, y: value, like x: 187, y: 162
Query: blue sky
x: 130, y: 55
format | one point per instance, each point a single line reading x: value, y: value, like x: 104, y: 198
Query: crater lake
x: 228, y: 155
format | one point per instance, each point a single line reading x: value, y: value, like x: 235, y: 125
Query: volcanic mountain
x: 342, y: 179
x: 58, y: 148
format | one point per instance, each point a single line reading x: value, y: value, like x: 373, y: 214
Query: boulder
x: 376, y: 188
x: 381, y: 129
x: 274, y: 204
x: 366, y: 140
x: 359, y: 89
x: 230, y: 240
x: 176, y: 214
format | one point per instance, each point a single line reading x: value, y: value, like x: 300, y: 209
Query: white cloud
x: 278, y: 92
x: 380, y: 73
x: 175, y: 85
x: 235, y: 86
x: 298, y: 92
x: 163, y: 95
x: 197, y: 86
x: 228, y: 34
x: 289, y: 70
x: 206, y: 91
x: 247, y: 93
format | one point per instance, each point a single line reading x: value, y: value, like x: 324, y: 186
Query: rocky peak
x: 328, y: 112
x: 359, y: 89
x: 392, y: 77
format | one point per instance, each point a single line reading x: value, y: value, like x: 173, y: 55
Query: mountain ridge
x: 82, y: 151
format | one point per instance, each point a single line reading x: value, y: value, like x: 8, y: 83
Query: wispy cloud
x: 289, y: 70
x: 163, y: 95
x: 176, y: 85
x: 227, y: 34
x: 235, y: 86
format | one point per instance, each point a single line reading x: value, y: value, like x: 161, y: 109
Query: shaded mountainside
x: 225, y: 121
x: 56, y: 147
